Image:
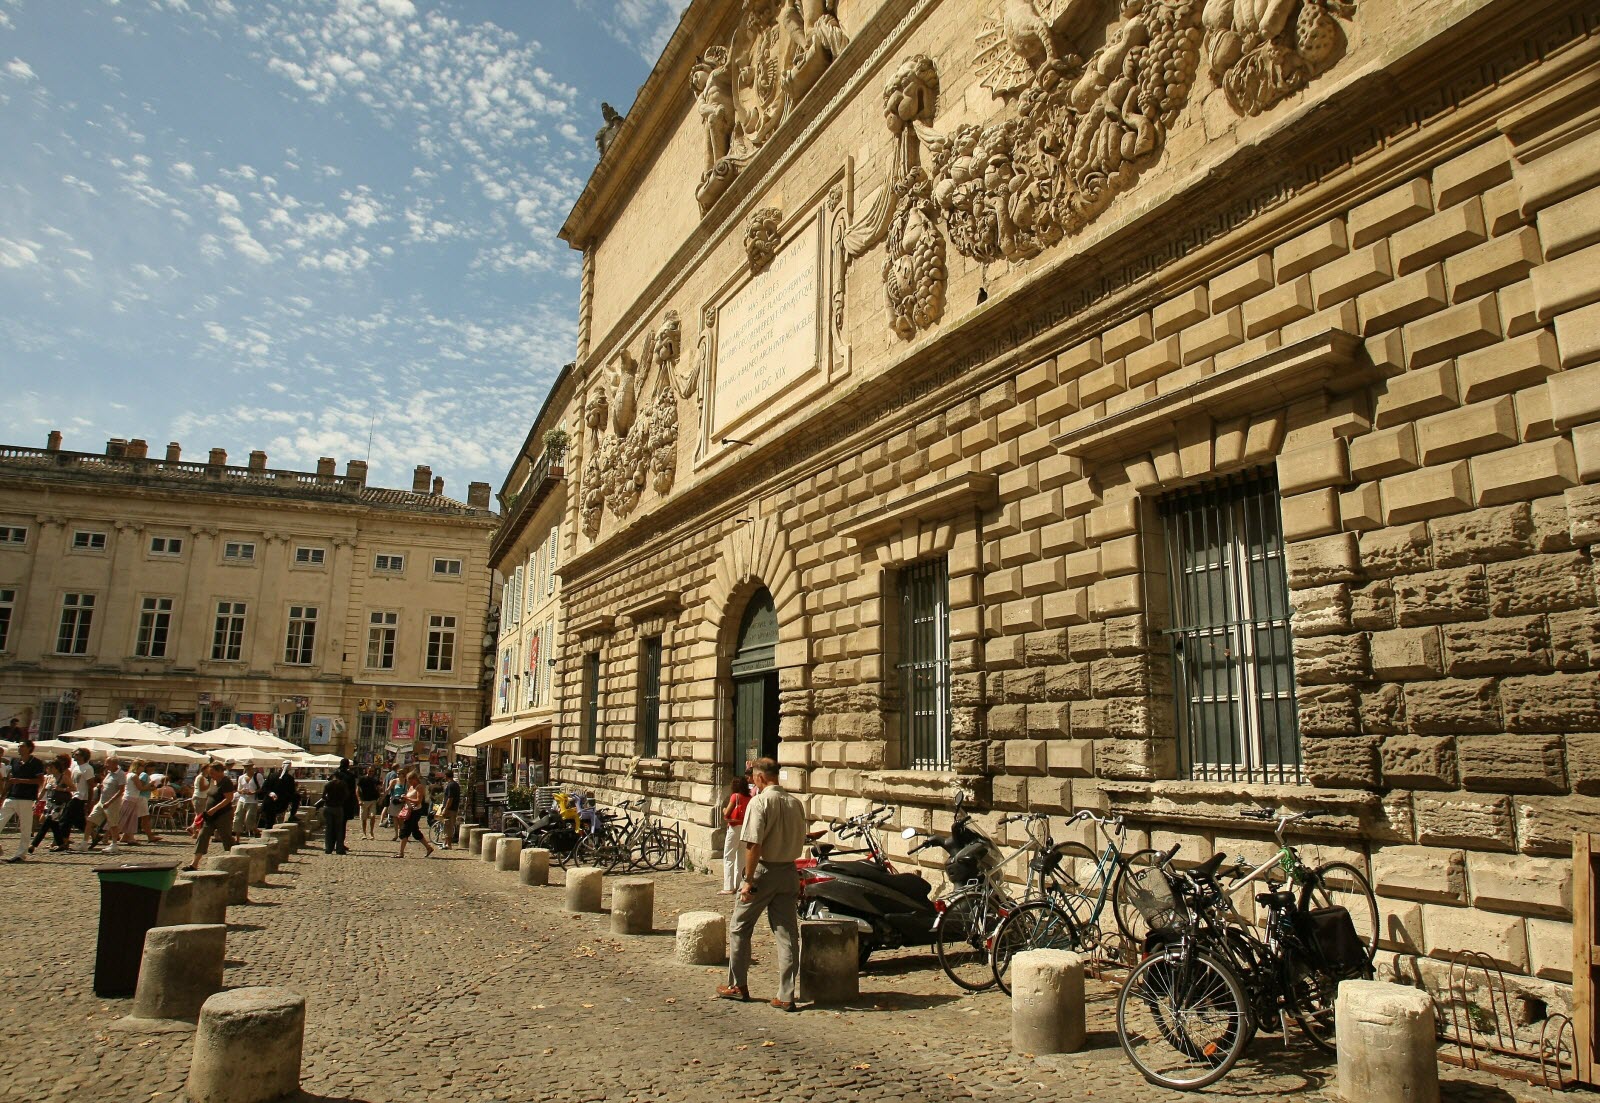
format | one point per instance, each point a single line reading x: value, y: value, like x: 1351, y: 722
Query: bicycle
x: 1187, y: 1011
x: 642, y: 843
x: 1066, y: 914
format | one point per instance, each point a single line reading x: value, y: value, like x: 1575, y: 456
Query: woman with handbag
x: 410, y: 813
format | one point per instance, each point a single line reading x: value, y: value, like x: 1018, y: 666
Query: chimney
x: 478, y: 495
x: 258, y: 460
x: 219, y: 457
x: 356, y: 470
x: 420, y: 477
x: 438, y: 485
x: 53, y: 441
x: 325, y: 466
x: 138, y: 449
x: 174, y: 452
x: 116, y: 448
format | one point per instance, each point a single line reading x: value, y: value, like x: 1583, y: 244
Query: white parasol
x: 237, y: 735
x: 124, y: 730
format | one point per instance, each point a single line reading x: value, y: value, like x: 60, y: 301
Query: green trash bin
x: 130, y: 898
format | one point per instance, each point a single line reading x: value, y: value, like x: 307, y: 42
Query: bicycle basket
x: 1332, y: 933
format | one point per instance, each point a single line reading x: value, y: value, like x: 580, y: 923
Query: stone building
x: 525, y: 623
x: 1168, y: 406
x: 348, y: 616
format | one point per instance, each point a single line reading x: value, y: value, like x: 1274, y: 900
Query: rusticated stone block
x: 1419, y: 761
x: 1067, y: 682
x: 1583, y: 763
x: 1321, y: 611
x: 1583, y: 515
x: 1372, y: 606
x: 1545, y: 825
x: 1408, y: 654
x: 1135, y: 759
x: 1430, y: 874
x: 1512, y: 763
x: 1389, y: 552
x: 1510, y: 645
x: 1132, y: 676
x: 1552, y: 703
x: 1047, y: 720
x: 1460, y: 705
x: 1522, y: 885
x: 1326, y: 560
x: 1542, y: 584
x: 1383, y: 709
x: 1341, y: 762
x: 1046, y: 648
x: 1117, y: 718
x: 1451, y: 930
x: 1329, y: 710
x: 1574, y: 640
x: 1126, y: 635
x: 1457, y: 819
x: 1551, y: 529
x: 1328, y: 660
x: 1442, y: 597
x: 1482, y: 536
x: 1008, y: 721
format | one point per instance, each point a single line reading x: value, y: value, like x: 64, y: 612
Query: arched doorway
x: 755, y: 683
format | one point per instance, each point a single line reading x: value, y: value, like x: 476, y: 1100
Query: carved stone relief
x: 761, y: 238
x: 1263, y: 50
x: 778, y: 51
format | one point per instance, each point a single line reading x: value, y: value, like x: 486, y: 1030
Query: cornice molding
x: 962, y: 494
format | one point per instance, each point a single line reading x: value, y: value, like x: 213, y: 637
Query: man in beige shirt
x: 774, y: 835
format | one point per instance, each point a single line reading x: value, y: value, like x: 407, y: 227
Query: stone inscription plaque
x: 767, y: 333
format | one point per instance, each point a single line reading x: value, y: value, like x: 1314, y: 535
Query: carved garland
x: 1083, y: 131
x: 640, y: 447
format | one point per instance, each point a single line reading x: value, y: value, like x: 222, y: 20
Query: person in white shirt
x: 109, y: 808
x: 248, y: 800
x: 83, y: 782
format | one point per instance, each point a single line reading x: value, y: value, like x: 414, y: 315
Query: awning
x: 494, y: 733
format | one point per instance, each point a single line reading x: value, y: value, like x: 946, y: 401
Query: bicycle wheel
x: 1036, y: 925
x: 1342, y: 884
x: 594, y: 849
x: 1142, y: 898
x: 1310, y: 993
x: 436, y: 832
x: 1182, y: 1018
x: 1070, y: 887
x: 961, y: 941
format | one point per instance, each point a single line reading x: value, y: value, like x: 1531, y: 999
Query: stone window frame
x: 655, y: 617
x: 89, y: 545
x: 944, y: 519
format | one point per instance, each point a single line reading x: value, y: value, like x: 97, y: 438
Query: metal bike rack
x: 1554, y: 1055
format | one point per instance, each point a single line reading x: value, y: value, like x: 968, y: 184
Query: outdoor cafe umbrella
x: 255, y: 756
x: 156, y: 752
x: 97, y: 749
x: 237, y: 735
x: 124, y: 730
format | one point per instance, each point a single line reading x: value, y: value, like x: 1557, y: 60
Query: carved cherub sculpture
x: 713, y: 89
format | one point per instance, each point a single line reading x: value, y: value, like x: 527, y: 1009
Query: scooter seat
x: 907, y: 884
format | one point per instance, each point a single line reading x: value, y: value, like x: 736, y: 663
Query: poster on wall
x: 260, y: 721
x: 321, y: 731
x: 403, y: 730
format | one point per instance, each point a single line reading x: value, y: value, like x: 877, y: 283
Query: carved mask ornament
x: 761, y: 238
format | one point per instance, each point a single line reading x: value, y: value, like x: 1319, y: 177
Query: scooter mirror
x: 909, y: 833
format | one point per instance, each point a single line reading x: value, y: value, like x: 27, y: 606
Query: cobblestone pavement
x: 444, y: 980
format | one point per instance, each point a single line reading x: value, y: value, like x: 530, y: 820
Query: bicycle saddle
x: 1282, y: 898
x: 1208, y: 868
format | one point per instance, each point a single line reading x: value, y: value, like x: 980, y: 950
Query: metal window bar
x: 925, y: 666
x: 1232, y: 660
x: 650, y: 713
x: 591, y: 712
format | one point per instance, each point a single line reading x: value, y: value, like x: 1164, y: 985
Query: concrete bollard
x: 247, y: 1046
x: 508, y: 855
x: 283, y: 839
x: 464, y: 834
x: 237, y: 867
x: 830, y: 967
x: 1387, y: 1051
x: 702, y: 939
x: 487, y: 845
x: 1047, y: 1002
x: 208, y: 895
x: 533, y: 866
x: 177, y: 904
x: 583, y: 889
x: 257, y: 854
x: 299, y: 832
x: 180, y: 970
x: 633, y: 906
x: 475, y: 841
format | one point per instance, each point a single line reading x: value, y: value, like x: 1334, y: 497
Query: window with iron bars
x: 923, y: 664
x: 1233, y: 664
x: 650, y: 698
x: 591, y: 702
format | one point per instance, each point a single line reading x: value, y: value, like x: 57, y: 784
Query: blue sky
x: 276, y: 223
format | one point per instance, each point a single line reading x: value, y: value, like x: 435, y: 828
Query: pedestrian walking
x: 348, y: 775
x: 135, y: 803
x: 107, y: 813
x: 57, y: 791
x: 84, y: 785
x: 733, y: 810
x: 335, y: 796
x: 774, y: 835
x: 21, y: 788
x: 200, y: 798
x: 410, y: 814
x: 368, y: 794
x: 397, y: 800
x: 451, y: 810
x: 217, y: 819
x: 247, y: 806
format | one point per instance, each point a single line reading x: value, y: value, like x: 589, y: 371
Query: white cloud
x: 643, y: 26
x: 183, y: 170
x: 18, y: 254
x: 17, y: 69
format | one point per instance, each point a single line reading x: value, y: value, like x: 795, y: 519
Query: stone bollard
x: 247, y: 1047
x: 180, y: 970
x: 583, y: 889
x: 1387, y: 1051
x: 508, y: 855
x: 464, y: 834
x: 633, y: 906
x: 1047, y: 1002
x: 269, y: 843
x: 830, y: 967
x: 282, y: 842
x: 177, y: 904
x: 487, y: 845
x: 533, y: 866
x: 237, y: 867
x: 298, y: 831
x: 257, y: 855
x: 702, y: 939
x: 208, y: 895
x: 475, y: 841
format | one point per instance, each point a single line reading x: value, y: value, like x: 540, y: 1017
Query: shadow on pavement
x: 894, y: 1001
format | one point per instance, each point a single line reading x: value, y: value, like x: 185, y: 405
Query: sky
x: 300, y: 225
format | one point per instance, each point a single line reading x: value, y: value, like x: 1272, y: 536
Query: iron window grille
x: 1233, y: 665
x: 591, y: 705
x: 372, y: 731
x: 650, y: 705
x: 924, y: 665
x: 56, y: 716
